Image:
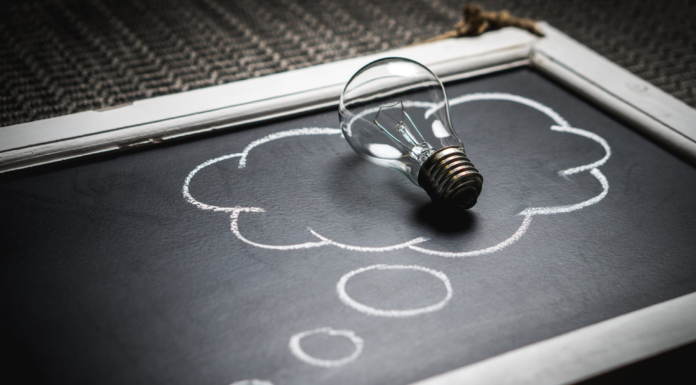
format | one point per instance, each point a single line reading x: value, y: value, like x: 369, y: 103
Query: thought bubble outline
x: 561, y: 126
x: 295, y: 347
x: 394, y: 313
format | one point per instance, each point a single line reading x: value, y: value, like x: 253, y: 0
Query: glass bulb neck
x: 450, y: 179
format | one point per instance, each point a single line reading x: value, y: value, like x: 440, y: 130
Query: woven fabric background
x: 63, y: 56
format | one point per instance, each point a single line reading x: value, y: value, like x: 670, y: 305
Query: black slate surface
x: 108, y: 275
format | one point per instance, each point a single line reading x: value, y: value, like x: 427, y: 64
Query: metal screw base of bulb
x: 449, y: 178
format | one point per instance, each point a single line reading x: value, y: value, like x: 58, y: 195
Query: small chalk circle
x: 346, y: 299
x: 296, y: 347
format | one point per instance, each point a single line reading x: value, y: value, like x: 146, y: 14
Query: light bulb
x: 394, y: 113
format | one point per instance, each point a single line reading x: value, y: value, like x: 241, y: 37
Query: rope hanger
x: 476, y: 21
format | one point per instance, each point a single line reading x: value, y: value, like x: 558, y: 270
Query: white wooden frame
x: 642, y: 105
x: 563, y: 359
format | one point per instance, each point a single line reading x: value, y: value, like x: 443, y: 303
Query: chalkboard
x: 275, y: 253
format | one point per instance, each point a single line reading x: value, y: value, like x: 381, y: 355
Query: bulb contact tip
x: 449, y: 178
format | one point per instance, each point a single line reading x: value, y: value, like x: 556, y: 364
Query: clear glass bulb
x: 394, y: 113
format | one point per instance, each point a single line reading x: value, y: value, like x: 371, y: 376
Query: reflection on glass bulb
x: 383, y: 117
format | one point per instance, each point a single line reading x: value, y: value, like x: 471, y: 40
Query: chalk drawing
x: 187, y: 194
x: 296, y: 347
x: 528, y: 214
x: 252, y: 382
x: 346, y: 299
x: 590, y: 135
x: 235, y: 230
x: 285, y: 134
x: 416, y: 244
x: 561, y: 124
x: 404, y: 245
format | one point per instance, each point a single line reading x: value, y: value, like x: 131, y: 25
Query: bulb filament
x: 418, y: 150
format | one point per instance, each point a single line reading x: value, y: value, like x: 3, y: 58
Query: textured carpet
x: 63, y: 56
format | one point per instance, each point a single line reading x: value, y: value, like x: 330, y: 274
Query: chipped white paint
x: 346, y: 299
x: 296, y: 347
x: 416, y: 244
